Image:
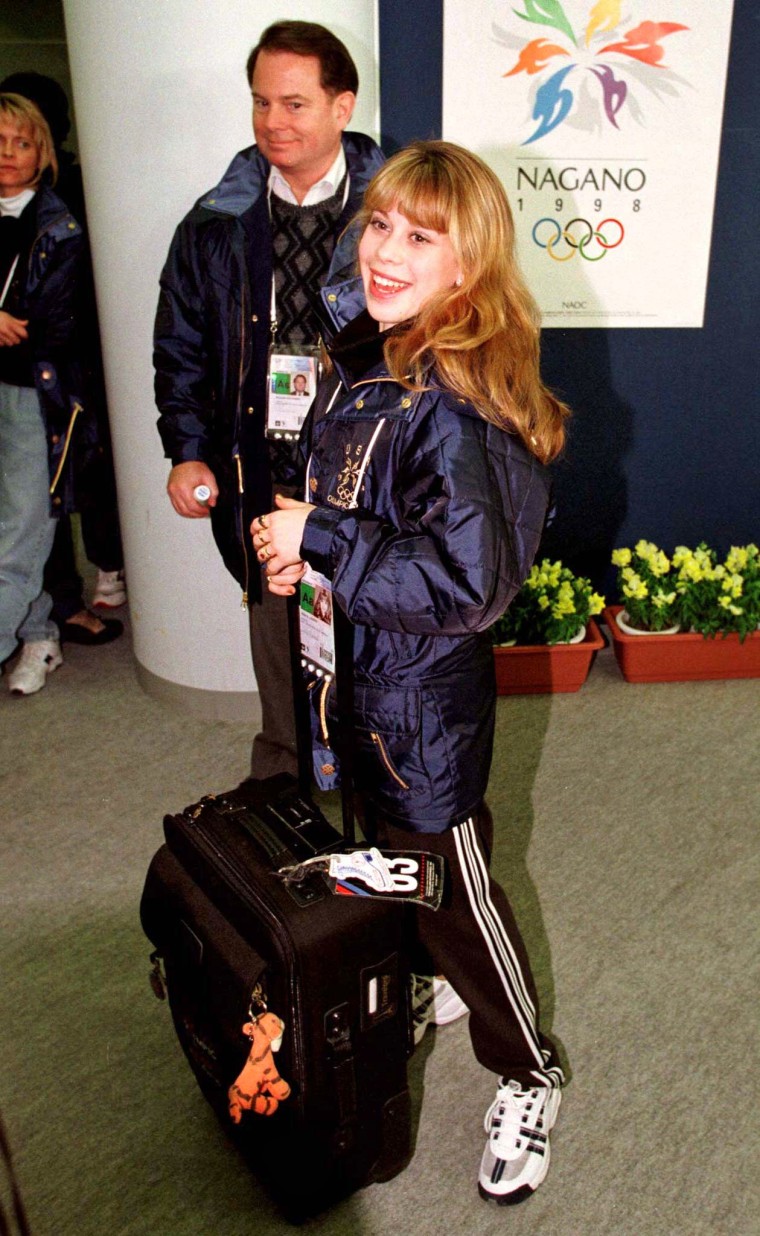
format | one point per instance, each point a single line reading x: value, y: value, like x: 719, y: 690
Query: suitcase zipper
x: 250, y: 893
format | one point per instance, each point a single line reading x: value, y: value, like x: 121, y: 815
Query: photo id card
x: 291, y: 384
x: 316, y: 622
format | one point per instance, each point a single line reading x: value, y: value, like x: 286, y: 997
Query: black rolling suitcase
x: 241, y: 954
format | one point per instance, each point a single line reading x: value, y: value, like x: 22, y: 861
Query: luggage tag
x: 292, y: 375
x: 315, y: 614
x: 318, y: 658
x: 392, y: 875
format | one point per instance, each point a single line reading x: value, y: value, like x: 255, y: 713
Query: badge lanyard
x: 293, y: 371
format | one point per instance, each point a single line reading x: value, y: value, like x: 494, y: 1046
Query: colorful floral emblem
x: 599, y: 76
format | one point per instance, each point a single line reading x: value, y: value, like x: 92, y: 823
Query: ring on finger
x: 263, y: 521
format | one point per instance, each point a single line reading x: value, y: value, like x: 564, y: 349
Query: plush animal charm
x: 259, y: 1085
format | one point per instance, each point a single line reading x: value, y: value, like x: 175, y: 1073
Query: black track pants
x: 474, y: 941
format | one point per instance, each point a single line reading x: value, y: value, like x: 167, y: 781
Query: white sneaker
x: 516, y: 1158
x: 447, y: 1005
x: 433, y: 1000
x: 35, y: 662
x: 110, y: 590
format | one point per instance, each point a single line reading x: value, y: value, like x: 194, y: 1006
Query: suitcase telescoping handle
x: 344, y: 686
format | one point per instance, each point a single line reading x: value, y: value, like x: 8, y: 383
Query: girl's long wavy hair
x: 482, y: 337
x: 27, y: 117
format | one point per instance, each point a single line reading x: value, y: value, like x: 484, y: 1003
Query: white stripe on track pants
x: 474, y: 941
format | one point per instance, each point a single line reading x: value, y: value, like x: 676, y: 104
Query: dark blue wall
x: 664, y: 441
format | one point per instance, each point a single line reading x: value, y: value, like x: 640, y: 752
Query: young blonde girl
x: 426, y: 497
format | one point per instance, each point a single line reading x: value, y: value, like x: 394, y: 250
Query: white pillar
x: 162, y: 105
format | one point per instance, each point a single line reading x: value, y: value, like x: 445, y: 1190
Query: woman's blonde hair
x: 481, y: 336
x: 17, y: 110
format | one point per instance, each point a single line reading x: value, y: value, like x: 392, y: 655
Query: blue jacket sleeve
x: 183, y: 387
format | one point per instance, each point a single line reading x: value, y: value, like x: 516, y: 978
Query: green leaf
x: 547, y: 13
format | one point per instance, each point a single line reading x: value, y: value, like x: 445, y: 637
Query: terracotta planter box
x: 682, y: 657
x: 537, y: 669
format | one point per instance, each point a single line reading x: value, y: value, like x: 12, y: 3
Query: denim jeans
x: 26, y: 526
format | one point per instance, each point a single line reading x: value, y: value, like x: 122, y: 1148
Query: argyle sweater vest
x: 303, y: 239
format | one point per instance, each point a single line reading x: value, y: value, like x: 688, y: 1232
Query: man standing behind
x: 237, y: 306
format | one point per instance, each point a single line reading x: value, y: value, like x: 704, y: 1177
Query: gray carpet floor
x: 627, y: 818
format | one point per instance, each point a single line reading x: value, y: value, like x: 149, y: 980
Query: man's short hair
x: 306, y: 38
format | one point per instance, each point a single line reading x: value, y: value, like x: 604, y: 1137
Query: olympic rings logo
x: 574, y: 242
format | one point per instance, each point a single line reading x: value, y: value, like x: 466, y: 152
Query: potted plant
x: 718, y: 597
x: 686, y: 617
x: 546, y: 640
x: 647, y: 586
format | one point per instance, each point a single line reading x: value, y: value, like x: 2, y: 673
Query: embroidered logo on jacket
x: 348, y: 477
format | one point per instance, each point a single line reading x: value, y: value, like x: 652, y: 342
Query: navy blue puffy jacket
x: 449, y: 517
x: 212, y: 337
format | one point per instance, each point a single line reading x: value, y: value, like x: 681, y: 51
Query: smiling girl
x: 427, y: 498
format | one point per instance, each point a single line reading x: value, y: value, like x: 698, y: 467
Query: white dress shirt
x: 324, y: 188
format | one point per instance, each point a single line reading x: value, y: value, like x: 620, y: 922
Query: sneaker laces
x: 515, y: 1120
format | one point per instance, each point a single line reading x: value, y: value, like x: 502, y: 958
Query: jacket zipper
x: 74, y: 414
x: 377, y: 740
x: 241, y: 491
x: 238, y: 462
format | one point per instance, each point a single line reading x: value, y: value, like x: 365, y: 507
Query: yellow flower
x: 645, y: 549
x: 596, y: 603
x: 543, y: 602
x: 737, y: 557
x: 663, y: 598
x: 635, y: 588
x: 564, y: 605
x: 659, y: 563
x: 692, y: 571
x: 621, y: 557
x: 726, y: 603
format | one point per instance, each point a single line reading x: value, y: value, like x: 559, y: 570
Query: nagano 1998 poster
x: 603, y: 120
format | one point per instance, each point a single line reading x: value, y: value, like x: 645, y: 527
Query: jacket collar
x: 53, y: 214
x: 246, y: 178
x: 343, y: 301
x: 356, y: 350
